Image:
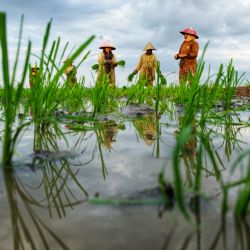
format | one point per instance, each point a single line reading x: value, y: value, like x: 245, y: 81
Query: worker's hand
x: 176, y: 57
x: 182, y: 55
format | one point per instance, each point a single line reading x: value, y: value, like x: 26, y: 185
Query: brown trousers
x: 186, y: 71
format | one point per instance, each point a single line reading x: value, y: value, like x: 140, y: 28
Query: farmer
x: 187, y: 54
x: 107, y: 63
x: 70, y: 72
x: 33, y: 75
x: 147, y: 65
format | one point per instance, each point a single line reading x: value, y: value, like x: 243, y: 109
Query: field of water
x: 96, y: 185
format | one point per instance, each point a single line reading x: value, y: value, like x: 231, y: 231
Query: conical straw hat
x: 35, y: 67
x: 190, y: 31
x: 107, y: 44
x: 149, y: 46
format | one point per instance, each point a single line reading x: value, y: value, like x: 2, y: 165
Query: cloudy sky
x: 131, y: 24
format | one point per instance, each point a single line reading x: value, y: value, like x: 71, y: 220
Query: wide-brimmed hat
x: 35, y: 67
x: 107, y: 44
x: 149, y: 46
x: 190, y: 31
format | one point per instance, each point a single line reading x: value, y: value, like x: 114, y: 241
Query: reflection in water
x: 58, y: 183
x: 195, y: 205
x: 188, y: 153
x: 107, y: 132
x: 230, y: 135
x: 198, y: 146
x: 46, y: 135
x: 234, y: 236
x: 242, y: 232
x: 222, y: 234
x: 59, y: 187
x: 26, y: 223
x: 57, y: 175
x: 148, y: 128
x: 201, y: 150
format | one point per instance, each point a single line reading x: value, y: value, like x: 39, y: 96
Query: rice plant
x: 42, y: 99
x: 11, y: 97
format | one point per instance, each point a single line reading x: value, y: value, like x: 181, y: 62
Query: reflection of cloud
x: 131, y: 24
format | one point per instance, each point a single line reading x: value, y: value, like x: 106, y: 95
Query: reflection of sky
x: 131, y: 24
x: 132, y: 171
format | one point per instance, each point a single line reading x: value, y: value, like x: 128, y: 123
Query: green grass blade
x: 178, y: 184
x: 18, y: 51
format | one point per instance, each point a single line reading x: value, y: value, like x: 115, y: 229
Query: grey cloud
x: 132, y: 23
x: 212, y: 18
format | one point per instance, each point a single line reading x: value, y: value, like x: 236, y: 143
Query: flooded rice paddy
x: 95, y: 185
x: 167, y: 167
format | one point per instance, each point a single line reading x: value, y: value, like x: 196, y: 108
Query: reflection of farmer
x: 107, y: 62
x: 70, y: 72
x: 33, y: 75
x: 147, y: 65
x: 108, y: 131
x: 189, y: 150
x: 146, y: 128
x: 187, y: 54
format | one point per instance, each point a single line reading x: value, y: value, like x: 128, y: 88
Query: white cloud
x: 132, y: 24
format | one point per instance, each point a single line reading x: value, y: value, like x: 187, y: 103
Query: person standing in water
x: 107, y: 62
x: 147, y: 65
x: 34, y: 74
x: 187, y: 54
x: 70, y: 72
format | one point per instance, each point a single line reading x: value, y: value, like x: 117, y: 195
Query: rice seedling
x: 95, y: 67
x: 45, y: 87
x: 45, y: 90
x: 11, y: 97
x: 229, y: 82
x: 198, y: 106
x: 99, y: 95
x: 138, y: 93
x: 120, y: 64
x: 160, y: 81
x: 131, y: 77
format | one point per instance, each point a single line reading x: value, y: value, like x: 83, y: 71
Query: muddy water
x: 48, y: 200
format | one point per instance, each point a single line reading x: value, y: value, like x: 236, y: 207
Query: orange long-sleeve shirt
x: 190, y: 48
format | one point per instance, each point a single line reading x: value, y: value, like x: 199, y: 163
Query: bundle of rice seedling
x: 95, y: 67
x: 130, y: 77
x: 121, y: 63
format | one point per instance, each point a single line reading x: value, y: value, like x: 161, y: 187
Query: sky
x: 130, y: 25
